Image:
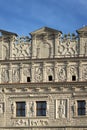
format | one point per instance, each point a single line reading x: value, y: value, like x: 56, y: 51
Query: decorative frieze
x: 38, y: 122
x: 20, y: 122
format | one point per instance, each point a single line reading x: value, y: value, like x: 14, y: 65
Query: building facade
x: 43, y: 80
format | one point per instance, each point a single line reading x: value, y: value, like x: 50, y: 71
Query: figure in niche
x: 61, y: 109
x: 15, y: 76
x: 62, y: 74
x: 4, y: 76
x: 38, y: 75
x: 13, y: 108
x: 85, y: 73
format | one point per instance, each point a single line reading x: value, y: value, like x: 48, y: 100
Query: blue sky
x: 25, y: 16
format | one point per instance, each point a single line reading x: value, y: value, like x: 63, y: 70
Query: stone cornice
x: 62, y: 87
x: 62, y: 59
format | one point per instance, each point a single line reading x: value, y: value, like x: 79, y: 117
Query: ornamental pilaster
x: 32, y: 72
x: 44, y: 72
x: 55, y: 71
x: 80, y: 71
x: 10, y: 73
x: 67, y: 72
x: 21, y: 72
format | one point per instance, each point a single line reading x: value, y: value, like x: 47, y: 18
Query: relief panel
x: 61, y: 73
x: 26, y: 73
x: 67, y: 48
x: 50, y: 72
x: 4, y: 75
x: 73, y: 71
x: 84, y: 72
x: 61, y: 108
x: 38, y: 122
x: 20, y: 122
x: 22, y: 48
x: 15, y: 75
x: 38, y: 74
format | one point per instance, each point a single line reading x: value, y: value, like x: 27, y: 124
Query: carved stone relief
x: 73, y: 71
x: 61, y: 108
x: 21, y: 50
x: 1, y: 97
x: 5, y: 51
x: 61, y: 73
x: 38, y: 122
x: 13, y: 108
x: 20, y: 122
x: 31, y: 109
x: 4, y: 75
x: 26, y: 73
x: 50, y: 71
x: 84, y: 72
x: 1, y: 108
x: 15, y: 75
x: 67, y: 48
x: 38, y: 74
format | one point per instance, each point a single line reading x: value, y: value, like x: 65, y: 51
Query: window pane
x: 20, y: 108
x: 41, y: 108
x: 81, y: 107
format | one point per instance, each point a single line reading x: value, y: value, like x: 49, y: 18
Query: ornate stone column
x: 32, y: 72
x: 10, y: 73
x: 55, y: 71
x: 80, y: 71
x: 44, y: 71
x: 67, y: 72
x: 21, y: 72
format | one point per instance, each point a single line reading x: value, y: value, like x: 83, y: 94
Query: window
x: 50, y: 78
x: 20, y: 109
x: 28, y: 79
x: 81, y: 107
x: 73, y: 78
x: 41, y: 108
